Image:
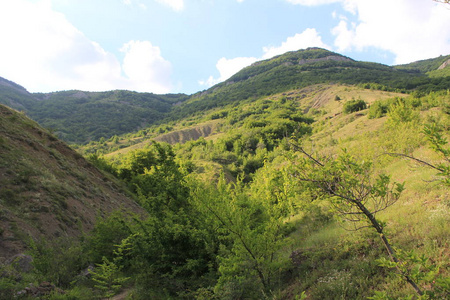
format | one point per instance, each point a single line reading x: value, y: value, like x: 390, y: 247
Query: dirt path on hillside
x: 122, y: 296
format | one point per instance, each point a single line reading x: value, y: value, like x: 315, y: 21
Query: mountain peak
x: 13, y: 85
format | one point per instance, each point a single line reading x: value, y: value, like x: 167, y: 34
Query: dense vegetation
x: 324, y: 191
x: 295, y: 70
x: 80, y: 117
x: 251, y: 214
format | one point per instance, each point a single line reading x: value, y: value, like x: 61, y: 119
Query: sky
x: 186, y: 46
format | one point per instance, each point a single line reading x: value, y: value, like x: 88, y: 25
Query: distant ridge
x: 8, y: 83
x: 80, y: 117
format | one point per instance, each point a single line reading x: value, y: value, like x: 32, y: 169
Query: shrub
x: 377, y: 110
x: 402, y: 113
x: 354, y: 105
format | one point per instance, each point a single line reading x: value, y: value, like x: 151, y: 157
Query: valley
x: 300, y: 177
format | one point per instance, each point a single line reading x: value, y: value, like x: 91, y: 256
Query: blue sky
x: 185, y: 46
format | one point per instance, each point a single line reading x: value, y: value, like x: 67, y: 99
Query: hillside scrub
x: 244, y: 215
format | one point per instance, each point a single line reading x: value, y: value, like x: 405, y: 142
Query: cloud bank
x: 177, y: 5
x: 228, y: 67
x: 43, y: 51
x: 410, y: 29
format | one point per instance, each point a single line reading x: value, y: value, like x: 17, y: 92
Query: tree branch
x: 416, y: 159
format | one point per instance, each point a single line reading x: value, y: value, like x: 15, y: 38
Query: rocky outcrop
x: 189, y: 134
x: 331, y: 57
x: 445, y: 64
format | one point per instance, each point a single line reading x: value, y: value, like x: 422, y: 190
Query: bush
x: 377, y: 110
x: 354, y: 105
x: 402, y: 113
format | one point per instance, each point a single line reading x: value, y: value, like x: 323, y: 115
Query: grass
x: 338, y: 264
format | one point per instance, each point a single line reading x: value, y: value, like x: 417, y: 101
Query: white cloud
x: 145, y: 67
x: 228, y: 67
x: 44, y: 52
x: 344, y: 36
x: 348, y: 4
x: 308, y: 38
x: 312, y: 2
x: 410, y: 29
x: 177, y: 5
x: 139, y: 3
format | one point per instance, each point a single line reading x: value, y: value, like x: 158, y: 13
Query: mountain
x: 252, y: 200
x: 298, y: 69
x: 48, y: 190
x: 426, y: 65
x: 15, y: 96
x: 81, y: 117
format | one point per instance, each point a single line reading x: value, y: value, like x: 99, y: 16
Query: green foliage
x: 354, y: 106
x: 378, y: 109
x: 248, y: 266
x: 58, y: 261
x: 107, y: 233
x: 7, y: 287
x: 108, y: 278
x: 80, y: 117
x: 354, y: 192
x: 438, y: 143
x: 101, y: 163
x: 424, y: 66
x: 421, y: 270
x: 401, y: 112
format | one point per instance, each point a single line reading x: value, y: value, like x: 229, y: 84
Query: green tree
x: 355, y: 193
x: 247, y: 262
x: 354, y: 105
x: 108, y: 278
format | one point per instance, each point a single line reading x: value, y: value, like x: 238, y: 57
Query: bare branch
x: 416, y: 159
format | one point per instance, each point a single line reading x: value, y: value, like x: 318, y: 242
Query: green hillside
x: 307, y: 176
x: 302, y: 68
x: 80, y: 117
x: 237, y: 214
x: 47, y: 189
x: 426, y: 65
x: 15, y: 96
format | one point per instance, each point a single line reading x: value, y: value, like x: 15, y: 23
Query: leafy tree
x: 354, y: 105
x: 378, y: 109
x: 248, y: 266
x: 354, y: 193
x: 401, y: 112
x: 108, y: 278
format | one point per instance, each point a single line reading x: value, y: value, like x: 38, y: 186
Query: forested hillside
x: 308, y: 176
x: 264, y: 204
x: 80, y: 117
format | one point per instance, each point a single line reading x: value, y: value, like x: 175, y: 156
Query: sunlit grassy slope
x: 335, y: 263
x: 329, y: 261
